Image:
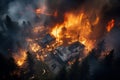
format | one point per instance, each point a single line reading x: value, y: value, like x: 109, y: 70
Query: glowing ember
x: 55, y: 13
x: 38, y: 29
x: 42, y: 11
x: 110, y: 25
x: 34, y: 47
x: 38, y: 11
x: 96, y: 21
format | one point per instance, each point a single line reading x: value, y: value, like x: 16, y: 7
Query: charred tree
x: 74, y: 72
x: 100, y: 47
x: 62, y: 75
x: 28, y: 72
x: 109, y: 58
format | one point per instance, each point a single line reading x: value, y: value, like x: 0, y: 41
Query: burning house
x: 62, y: 55
x: 46, y: 40
x: 58, y: 32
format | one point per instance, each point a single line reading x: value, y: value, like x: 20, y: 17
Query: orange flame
x: 45, y: 11
x: 76, y: 27
x: 96, y: 21
x: 42, y: 11
x: 34, y: 47
x: 39, y: 11
x: 110, y: 25
x: 20, y: 58
x: 55, y: 14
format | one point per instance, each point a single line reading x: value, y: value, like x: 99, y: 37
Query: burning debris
x: 58, y: 33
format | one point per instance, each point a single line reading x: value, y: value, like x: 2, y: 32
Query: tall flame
x: 110, y: 25
x: 76, y: 27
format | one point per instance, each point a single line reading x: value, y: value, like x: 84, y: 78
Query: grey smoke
x: 18, y: 12
x: 24, y: 10
x: 112, y: 40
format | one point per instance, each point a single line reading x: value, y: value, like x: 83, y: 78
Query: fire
x: 38, y: 11
x: 34, y: 47
x: 110, y: 25
x: 76, y: 27
x: 55, y: 14
x: 45, y: 12
x: 56, y: 31
x: 96, y: 21
x: 38, y: 29
x: 21, y: 57
x: 42, y: 11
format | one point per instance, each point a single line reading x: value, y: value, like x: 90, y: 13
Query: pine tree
x: 9, y: 22
x: 28, y: 71
x: 109, y: 58
x: 100, y: 47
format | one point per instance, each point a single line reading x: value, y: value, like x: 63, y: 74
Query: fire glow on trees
x: 21, y: 57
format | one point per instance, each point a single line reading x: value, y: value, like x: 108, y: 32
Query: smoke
x: 20, y: 10
x: 112, y: 40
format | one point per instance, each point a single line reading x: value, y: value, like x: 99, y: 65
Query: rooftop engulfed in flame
x: 76, y: 27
